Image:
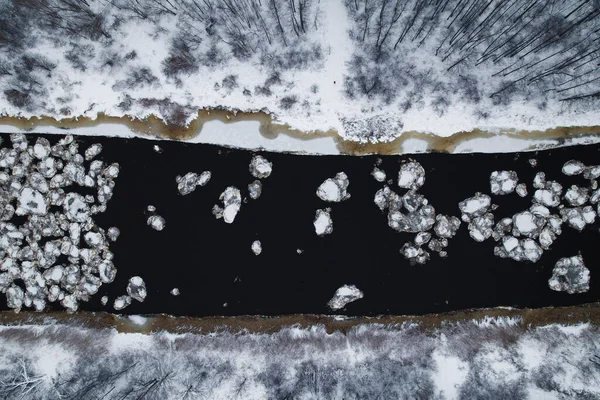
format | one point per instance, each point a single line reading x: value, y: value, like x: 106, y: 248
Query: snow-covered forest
x: 370, y: 69
x: 484, y: 359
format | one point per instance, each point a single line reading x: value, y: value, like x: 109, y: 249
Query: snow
x: 490, y: 357
x: 138, y: 320
x: 344, y: 295
x: 323, y: 223
x: 451, y: 373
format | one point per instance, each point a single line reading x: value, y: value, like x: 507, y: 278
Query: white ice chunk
x: 156, y: 222
x: 411, y: 175
x: 93, y: 151
x: 481, y: 228
x: 175, y: 292
x: 378, y: 174
x: 136, y: 288
x: 570, y: 275
x: 256, y: 247
x: 323, y: 222
x: 255, y: 189
x: 75, y: 207
x: 232, y: 202
x: 521, y: 189
x: 573, y: 167
x: 475, y: 206
x: 204, y: 178
x: 31, y: 202
x: 260, y: 167
x: 344, y: 295
x: 576, y: 196
x: 503, y: 182
x: 334, y: 189
x: 121, y: 302
x: 113, y: 233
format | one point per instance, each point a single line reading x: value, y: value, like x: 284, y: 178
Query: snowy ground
x: 487, y: 358
x: 316, y: 67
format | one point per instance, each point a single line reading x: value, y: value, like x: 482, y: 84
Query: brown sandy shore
x: 587, y: 313
x: 152, y: 126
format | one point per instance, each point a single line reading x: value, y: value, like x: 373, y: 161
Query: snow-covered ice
x: 475, y: 206
x: 175, y: 292
x: 334, y: 189
x: 255, y: 189
x: 411, y: 175
x: 378, y: 174
x: 323, y: 223
x: 256, y: 247
x: 232, y: 202
x: 570, y: 275
x: 121, y: 302
x: 156, y: 222
x: 503, y: 182
x: 136, y: 288
x: 344, y: 295
x: 480, y: 228
x: 260, y: 167
x: 573, y: 167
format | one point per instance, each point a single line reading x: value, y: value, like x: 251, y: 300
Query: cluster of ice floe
x: 231, y: 198
x: 411, y: 212
x: 136, y: 290
x: 333, y: 190
x: 344, y: 295
x: 56, y: 252
x: 525, y: 235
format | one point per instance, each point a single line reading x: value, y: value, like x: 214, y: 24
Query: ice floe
x: 260, y: 167
x: 344, y: 295
x: 570, y: 275
x: 323, y: 223
x: 503, y: 182
x: 334, y: 189
x: 256, y: 247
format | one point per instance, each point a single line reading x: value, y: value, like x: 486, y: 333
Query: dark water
x: 212, y: 264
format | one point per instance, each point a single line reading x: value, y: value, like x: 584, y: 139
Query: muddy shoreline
x: 586, y: 313
x: 154, y: 127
